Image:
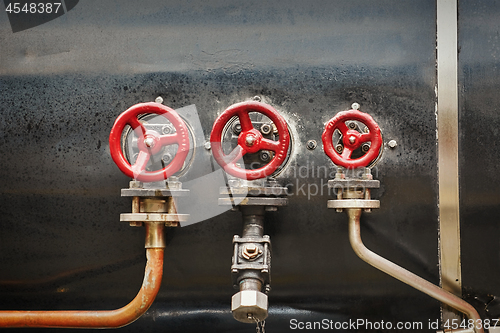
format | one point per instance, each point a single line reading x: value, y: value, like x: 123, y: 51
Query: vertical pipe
x: 155, y: 237
x: 253, y: 227
x: 250, y: 304
x: 447, y: 121
x: 253, y: 221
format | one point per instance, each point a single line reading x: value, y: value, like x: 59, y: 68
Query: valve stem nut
x: 149, y: 142
x: 250, y: 140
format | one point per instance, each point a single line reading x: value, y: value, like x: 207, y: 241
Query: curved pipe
x: 96, y: 319
x: 402, y: 274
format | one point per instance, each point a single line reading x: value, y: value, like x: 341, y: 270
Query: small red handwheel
x: 149, y: 142
x: 250, y: 140
x: 352, y: 139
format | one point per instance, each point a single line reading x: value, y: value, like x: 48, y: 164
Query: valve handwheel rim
x: 149, y: 142
x: 352, y: 139
x: 250, y: 140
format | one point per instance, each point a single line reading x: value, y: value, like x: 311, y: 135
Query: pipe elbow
x: 96, y: 319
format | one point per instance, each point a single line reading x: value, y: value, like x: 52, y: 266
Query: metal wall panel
x: 479, y: 138
x: 63, y: 84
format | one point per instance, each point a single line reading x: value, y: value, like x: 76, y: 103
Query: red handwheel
x: 250, y: 140
x: 352, y: 139
x: 149, y: 142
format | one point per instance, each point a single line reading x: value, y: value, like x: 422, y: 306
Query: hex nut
x: 233, y: 183
x: 167, y: 129
x: 392, y: 144
x: 251, y: 251
x: 311, y: 144
x: 275, y: 129
x: 237, y: 128
x: 266, y: 129
x: 265, y: 155
x: 166, y: 158
x: 135, y: 184
x: 248, y: 302
x: 135, y: 224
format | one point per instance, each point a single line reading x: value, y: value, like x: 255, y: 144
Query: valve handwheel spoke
x: 346, y: 153
x: 140, y: 162
x: 352, y: 139
x: 136, y: 126
x: 250, y: 140
x: 245, y: 121
x: 149, y: 142
x: 365, y: 137
x: 269, y: 145
x: 342, y: 127
x: 169, y: 139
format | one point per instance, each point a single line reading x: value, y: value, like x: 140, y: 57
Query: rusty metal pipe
x: 96, y: 319
x: 402, y: 274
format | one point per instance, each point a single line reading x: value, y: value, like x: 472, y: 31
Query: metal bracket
x: 149, y: 192
x: 154, y: 204
x: 254, y: 201
x: 276, y: 191
x: 354, y: 203
x: 168, y: 219
x: 353, y: 192
x: 353, y: 183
